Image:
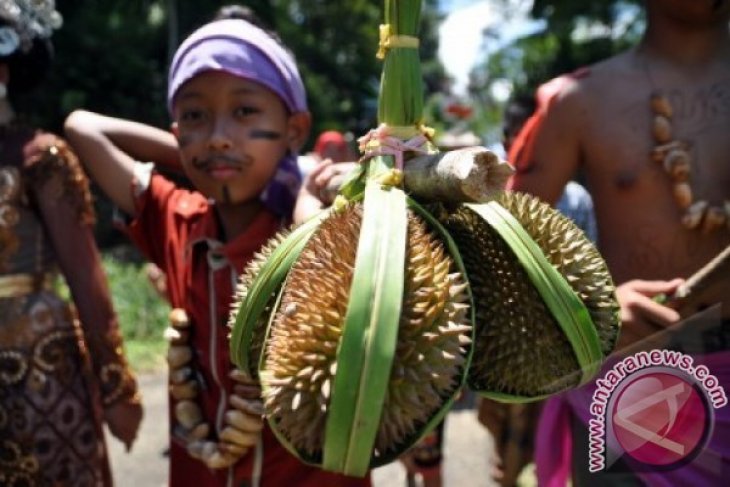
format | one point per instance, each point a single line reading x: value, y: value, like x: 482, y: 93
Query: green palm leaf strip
x: 365, y: 356
x: 565, y: 305
x: 453, y: 251
x: 267, y: 282
x: 401, y: 85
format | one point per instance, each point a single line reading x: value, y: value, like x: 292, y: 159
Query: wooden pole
x: 717, y: 268
x: 468, y: 175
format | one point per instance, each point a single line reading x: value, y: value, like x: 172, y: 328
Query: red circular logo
x: 659, y: 418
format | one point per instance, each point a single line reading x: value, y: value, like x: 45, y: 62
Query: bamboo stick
x: 717, y: 268
x: 472, y: 174
x: 468, y: 175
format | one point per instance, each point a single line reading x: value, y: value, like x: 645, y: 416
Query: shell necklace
x: 674, y: 156
x: 243, y: 416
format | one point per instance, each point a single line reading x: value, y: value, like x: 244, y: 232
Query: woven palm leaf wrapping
x: 363, y: 323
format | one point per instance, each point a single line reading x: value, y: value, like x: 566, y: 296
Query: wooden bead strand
x: 241, y: 431
x: 676, y: 161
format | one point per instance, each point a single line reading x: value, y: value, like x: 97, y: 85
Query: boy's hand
x: 123, y: 419
x: 319, y: 182
x: 641, y: 313
x: 319, y: 188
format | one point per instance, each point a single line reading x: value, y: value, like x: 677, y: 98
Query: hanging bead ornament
x: 242, y: 427
x: 675, y: 158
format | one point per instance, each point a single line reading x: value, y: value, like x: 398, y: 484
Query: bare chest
x: 618, y: 142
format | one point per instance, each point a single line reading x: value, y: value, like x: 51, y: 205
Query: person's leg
x: 425, y: 459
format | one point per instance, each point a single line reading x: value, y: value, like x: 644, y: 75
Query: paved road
x: 468, y: 447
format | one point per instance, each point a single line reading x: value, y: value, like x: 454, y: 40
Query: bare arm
x: 556, y: 155
x: 80, y: 263
x: 641, y: 315
x: 109, y: 146
x: 61, y: 193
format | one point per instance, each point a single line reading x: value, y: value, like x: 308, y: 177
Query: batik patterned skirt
x: 50, y: 428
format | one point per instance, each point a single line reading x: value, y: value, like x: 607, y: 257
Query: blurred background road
x: 467, y: 462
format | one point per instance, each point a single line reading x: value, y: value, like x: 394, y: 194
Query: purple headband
x: 242, y: 49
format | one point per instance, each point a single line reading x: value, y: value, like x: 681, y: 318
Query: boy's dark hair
x: 236, y: 11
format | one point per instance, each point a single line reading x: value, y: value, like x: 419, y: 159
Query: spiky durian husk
x: 576, y: 258
x: 520, y: 348
x: 434, y: 330
x: 244, y: 284
x: 301, y: 355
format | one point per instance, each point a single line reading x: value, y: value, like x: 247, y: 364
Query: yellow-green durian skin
x: 301, y: 354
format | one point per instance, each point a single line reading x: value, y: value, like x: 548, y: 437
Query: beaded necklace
x: 674, y: 156
x: 243, y: 416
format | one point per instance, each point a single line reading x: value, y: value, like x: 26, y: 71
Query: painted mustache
x: 221, y: 161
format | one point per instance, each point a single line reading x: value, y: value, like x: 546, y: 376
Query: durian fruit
x: 257, y: 287
x: 301, y: 357
x: 244, y: 284
x: 575, y: 257
x: 521, y: 349
x: 361, y: 323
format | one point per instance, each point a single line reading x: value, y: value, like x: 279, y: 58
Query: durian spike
x: 433, y: 285
x: 520, y: 348
x: 255, y: 295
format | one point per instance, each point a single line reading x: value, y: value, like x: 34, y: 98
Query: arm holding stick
x: 715, y: 270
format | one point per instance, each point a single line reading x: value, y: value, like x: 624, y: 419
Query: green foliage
x: 141, y: 311
x: 576, y: 34
x: 112, y: 56
x: 562, y: 16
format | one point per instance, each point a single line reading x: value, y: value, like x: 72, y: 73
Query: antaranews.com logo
x: 656, y: 408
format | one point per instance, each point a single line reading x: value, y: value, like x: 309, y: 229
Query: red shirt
x: 178, y: 231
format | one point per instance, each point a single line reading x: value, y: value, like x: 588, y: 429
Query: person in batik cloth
x: 62, y: 372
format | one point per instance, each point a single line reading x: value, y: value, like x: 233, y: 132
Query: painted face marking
x: 184, y: 141
x: 220, y: 160
x: 265, y: 134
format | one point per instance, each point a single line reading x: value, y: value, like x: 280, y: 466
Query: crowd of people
x: 239, y: 121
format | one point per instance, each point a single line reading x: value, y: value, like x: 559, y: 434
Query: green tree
x: 575, y: 34
x: 112, y: 56
x: 109, y: 57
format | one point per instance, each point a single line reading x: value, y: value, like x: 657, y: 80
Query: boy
x: 240, y: 116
